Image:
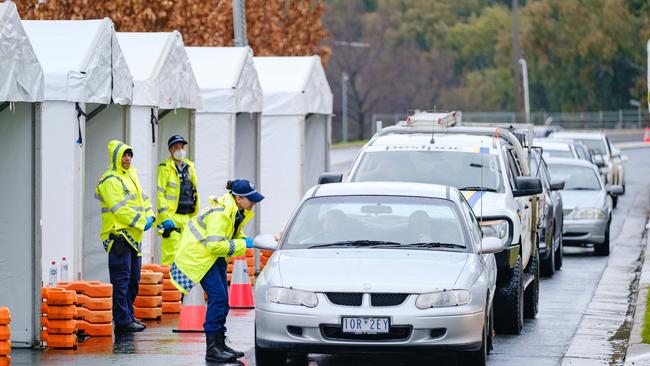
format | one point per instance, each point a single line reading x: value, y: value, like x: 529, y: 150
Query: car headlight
x: 496, y: 228
x: 588, y: 214
x: 289, y: 296
x: 442, y: 299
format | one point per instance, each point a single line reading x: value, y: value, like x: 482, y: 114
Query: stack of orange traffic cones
x: 58, y: 325
x: 5, y: 336
x: 171, y: 297
x: 148, y: 303
x: 265, y: 255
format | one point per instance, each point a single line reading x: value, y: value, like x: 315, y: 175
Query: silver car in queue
x: 379, y: 266
x: 587, y: 203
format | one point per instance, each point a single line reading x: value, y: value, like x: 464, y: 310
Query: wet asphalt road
x: 563, y: 300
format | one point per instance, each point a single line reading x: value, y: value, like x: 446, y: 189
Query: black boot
x: 237, y: 354
x: 216, y: 351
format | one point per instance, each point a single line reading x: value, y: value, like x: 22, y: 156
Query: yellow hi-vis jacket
x: 169, y: 187
x: 207, y: 237
x: 124, y: 205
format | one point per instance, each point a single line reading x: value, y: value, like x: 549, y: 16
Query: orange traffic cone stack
x: 264, y: 258
x: 171, y: 297
x: 57, y: 324
x: 148, y: 303
x: 240, y: 292
x: 646, y: 135
x: 93, y: 313
x: 192, y: 312
x: 5, y: 336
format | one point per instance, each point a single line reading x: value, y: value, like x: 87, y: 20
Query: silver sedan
x: 587, y: 203
x: 381, y: 267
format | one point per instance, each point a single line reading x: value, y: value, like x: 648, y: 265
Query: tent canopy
x: 294, y: 85
x: 163, y: 76
x: 21, y: 75
x: 227, y: 78
x: 81, y: 59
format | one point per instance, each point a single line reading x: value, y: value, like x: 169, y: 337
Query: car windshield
x: 575, y: 177
x: 376, y: 222
x: 552, y: 153
x: 595, y: 146
x: 465, y: 170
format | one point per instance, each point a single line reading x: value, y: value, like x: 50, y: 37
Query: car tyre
x: 531, y: 294
x: 479, y: 357
x: 268, y: 357
x: 602, y: 250
x: 509, y: 300
x: 614, y: 201
x: 548, y: 265
x: 559, y: 255
x: 490, y: 345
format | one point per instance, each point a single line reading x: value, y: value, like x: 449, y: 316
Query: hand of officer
x: 168, y: 224
x: 150, y: 221
x: 249, y: 243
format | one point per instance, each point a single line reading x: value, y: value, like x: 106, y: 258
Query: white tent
x: 83, y: 68
x: 296, y: 130
x: 227, y: 128
x: 21, y: 85
x: 165, y: 93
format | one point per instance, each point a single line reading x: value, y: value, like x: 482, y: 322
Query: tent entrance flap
x: 17, y: 264
x: 316, y: 149
x: 247, y: 135
x: 108, y: 125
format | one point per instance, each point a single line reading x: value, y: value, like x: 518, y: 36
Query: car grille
x: 345, y: 298
x: 387, y: 299
x: 395, y: 333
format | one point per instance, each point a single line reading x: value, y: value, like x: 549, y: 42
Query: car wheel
x: 559, y: 255
x: 509, y: 300
x: 490, y: 345
x: 603, y: 249
x: 479, y: 357
x: 623, y: 189
x: 548, y: 265
x: 531, y: 294
x: 614, y: 201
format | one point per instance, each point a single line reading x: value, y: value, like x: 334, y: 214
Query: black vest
x: 187, y: 195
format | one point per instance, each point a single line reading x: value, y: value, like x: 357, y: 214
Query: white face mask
x: 179, y: 154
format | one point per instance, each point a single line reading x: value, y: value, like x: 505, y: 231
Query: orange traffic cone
x: 240, y: 293
x: 192, y: 312
x: 646, y: 135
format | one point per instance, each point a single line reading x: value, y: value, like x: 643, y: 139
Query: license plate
x: 365, y: 325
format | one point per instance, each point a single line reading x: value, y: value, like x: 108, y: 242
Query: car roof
x: 404, y: 189
x: 553, y: 145
x: 567, y: 161
x: 446, y: 139
x: 591, y: 135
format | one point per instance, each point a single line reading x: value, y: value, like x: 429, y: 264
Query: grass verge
x: 645, y: 331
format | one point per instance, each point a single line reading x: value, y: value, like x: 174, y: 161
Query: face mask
x: 179, y: 154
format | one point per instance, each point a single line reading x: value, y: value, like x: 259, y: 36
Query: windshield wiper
x: 434, y: 245
x: 582, y: 189
x: 477, y: 188
x: 355, y: 243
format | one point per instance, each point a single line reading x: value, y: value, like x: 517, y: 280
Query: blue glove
x: 168, y: 224
x: 150, y: 221
x: 249, y: 243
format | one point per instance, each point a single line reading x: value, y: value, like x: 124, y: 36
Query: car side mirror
x: 491, y: 245
x: 327, y: 178
x: 613, y: 190
x: 265, y: 242
x: 527, y: 186
x: 599, y: 161
x: 557, y: 185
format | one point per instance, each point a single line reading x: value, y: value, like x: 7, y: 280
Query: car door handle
x: 526, y: 207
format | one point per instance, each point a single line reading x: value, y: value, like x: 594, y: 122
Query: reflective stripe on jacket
x: 124, y: 205
x: 169, y: 186
x: 206, y: 237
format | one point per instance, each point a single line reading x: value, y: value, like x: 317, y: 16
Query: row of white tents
x: 68, y: 87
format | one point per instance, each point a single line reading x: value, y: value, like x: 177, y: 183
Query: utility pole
x: 524, y: 71
x: 344, y: 105
x: 239, y: 22
x: 516, y: 56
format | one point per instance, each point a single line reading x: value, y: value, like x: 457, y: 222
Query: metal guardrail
x: 634, y: 118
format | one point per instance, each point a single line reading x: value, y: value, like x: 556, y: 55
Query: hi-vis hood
x: 116, y: 150
x: 227, y: 201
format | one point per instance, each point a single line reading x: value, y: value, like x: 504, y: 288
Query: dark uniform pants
x: 124, y: 269
x: 215, y: 284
